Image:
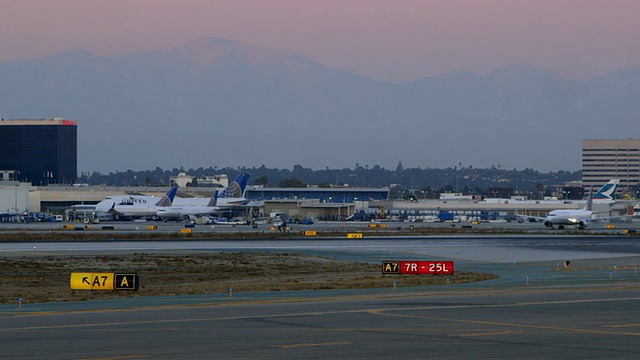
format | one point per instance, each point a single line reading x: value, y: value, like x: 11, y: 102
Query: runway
x: 536, y: 309
x: 523, y: 323
x: 137, y: 227
x: 483, y: 248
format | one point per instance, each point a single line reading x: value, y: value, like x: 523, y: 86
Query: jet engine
x: 583, y: 223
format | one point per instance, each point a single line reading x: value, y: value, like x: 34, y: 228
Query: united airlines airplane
x: 179, y: 212
x: 135, y: 206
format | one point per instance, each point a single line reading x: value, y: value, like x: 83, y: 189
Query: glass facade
x: 42, y: 152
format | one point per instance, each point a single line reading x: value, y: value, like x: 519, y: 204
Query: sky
x: 392, y: 40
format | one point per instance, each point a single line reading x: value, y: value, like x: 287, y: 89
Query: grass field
x: 46, y: 278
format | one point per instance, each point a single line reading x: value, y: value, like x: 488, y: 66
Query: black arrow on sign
x: 86, y: 280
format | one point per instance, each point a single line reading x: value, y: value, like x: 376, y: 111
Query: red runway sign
x: 418, y: 267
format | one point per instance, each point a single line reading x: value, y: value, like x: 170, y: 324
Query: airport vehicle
x: 582, y: 217
x: 189, y: 211
x: 135, y: 206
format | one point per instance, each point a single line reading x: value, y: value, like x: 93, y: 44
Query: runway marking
x: 224, y: 302
x: 292, y: 346
x: 489, y: 333
x: 503, y: 305
x: 514, y: 325
x: 622, y: 326
x: 383, y: 312
x: 118, y: 357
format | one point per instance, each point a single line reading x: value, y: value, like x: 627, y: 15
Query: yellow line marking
x: 372, y: 311
x: 119, y: 357
x: 438, y: 307
x: 622, y: 326
x: 224, y: 302
x: 525, y: 326
x: 292, y: 346
x: 489, y: 333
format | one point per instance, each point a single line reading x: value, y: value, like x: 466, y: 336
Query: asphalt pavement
x: 536, y: 309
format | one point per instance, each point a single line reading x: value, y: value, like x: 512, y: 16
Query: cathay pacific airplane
x: 580, y: 218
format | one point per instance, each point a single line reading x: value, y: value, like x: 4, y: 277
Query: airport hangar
x: 315, y: 203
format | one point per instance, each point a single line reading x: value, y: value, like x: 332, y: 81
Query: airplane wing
x: 203, y: 212
x: 113, y: 211
x: 524, y: 217
x: 605, y: 218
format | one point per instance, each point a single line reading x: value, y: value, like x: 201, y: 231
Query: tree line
x: 409, y: 182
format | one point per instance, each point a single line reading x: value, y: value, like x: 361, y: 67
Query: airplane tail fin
x: 214, y: 199
x: 608, y: 191
x: 112, y: 209
x: 167, y: 199
x: 236, y: 188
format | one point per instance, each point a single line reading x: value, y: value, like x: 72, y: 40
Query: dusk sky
x: 398, y: 40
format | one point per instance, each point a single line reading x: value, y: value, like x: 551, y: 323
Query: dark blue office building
x: 42, y: 151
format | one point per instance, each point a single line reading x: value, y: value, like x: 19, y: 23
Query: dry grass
x: 46, y: 279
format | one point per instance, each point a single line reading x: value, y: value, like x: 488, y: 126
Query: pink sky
x: 396, y: 40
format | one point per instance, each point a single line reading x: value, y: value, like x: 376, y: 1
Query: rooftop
x: 54, y: 121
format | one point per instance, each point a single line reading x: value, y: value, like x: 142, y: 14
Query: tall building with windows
x: 40, y: 151
x: 603, y: 160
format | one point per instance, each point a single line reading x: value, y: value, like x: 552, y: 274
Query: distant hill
x: 216, y: 102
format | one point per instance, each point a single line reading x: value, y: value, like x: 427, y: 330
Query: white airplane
x: 141, y: 204
x: 134, y: 206
x: 234, y: 193
x: 580, y: 218
x: 188, y: 211
x: 229, y: 196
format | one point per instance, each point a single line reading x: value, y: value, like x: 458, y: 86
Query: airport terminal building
x: 40, y: 151
x: 315, y: 203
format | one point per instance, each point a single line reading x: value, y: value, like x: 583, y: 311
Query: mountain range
x: 216, y: 102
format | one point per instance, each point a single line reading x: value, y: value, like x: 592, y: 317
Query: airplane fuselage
x: 175, y: 211
x: 560, y: 218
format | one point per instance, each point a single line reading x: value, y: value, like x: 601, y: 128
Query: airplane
x: 607, y: 191
x: 134, y: 206
x: 234, y: 193
x: 188, y: 211
x: 582, y: 217
x: 230, y: 196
